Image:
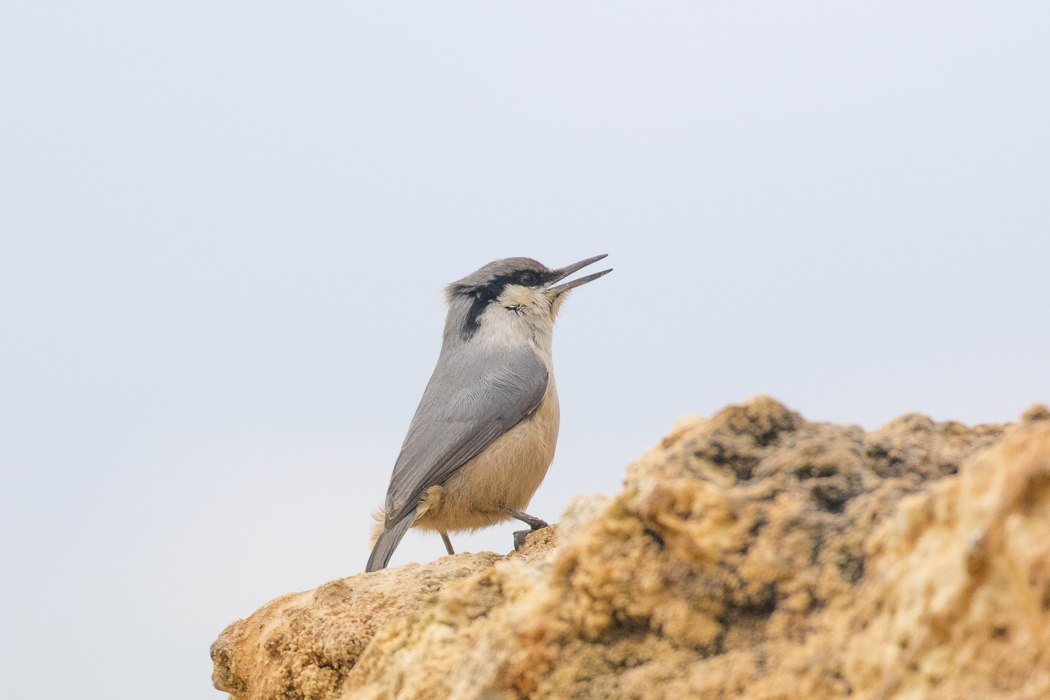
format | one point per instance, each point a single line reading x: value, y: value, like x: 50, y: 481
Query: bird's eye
x: 528, y: 279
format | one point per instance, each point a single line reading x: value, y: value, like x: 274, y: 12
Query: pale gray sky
x: 224, y: 229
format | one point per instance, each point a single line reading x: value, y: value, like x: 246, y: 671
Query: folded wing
x: 473, y: 398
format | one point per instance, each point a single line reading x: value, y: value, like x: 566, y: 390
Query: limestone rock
x: 303, y: 644
x: 750, y: 554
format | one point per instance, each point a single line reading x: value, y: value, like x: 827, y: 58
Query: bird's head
x: 510, y: 297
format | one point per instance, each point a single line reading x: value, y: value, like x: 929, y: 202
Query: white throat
x: 520, y: 316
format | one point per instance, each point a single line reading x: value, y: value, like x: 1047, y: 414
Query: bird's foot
x: 519, y: 538
x: 520, y: 535
x: 532, y: 521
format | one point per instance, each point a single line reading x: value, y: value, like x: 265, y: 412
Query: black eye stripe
x: 485, y: 294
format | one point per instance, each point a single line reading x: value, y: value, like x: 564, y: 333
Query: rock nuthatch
x: 485, y: 431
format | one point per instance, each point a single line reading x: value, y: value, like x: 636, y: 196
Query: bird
x: 484, y: 433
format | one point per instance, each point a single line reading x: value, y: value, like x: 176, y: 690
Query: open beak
x: 564, y: 272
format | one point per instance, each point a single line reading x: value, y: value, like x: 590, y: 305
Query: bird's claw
x: 520, y: 535
x: 519, y: 539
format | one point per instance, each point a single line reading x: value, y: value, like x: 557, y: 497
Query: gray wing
x: 473, y: 398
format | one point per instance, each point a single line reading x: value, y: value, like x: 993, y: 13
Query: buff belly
x: 507, y: 473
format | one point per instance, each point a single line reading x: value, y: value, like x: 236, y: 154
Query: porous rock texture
x: 750, y: 554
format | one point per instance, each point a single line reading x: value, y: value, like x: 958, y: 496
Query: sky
x: 225, y: 228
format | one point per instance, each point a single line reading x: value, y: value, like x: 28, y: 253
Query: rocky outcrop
x: 303, y: 645
x: 750, y: 554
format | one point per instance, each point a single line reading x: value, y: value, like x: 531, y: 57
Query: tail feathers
x: 388, y: 541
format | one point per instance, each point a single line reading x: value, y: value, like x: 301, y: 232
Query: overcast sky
x: 224, y: 230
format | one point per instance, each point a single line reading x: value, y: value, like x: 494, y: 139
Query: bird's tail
x: 388, y: 541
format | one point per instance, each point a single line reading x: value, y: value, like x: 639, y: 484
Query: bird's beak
x: 564, y: 272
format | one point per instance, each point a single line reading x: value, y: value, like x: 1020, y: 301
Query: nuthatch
x: 485, y: 431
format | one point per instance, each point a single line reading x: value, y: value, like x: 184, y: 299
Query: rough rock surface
x: 751, y: 554
x: 303, y: 645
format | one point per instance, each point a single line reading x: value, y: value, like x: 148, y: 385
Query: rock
x: 303, y: 645
x: 750, y: 554
x: 960, y: 606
